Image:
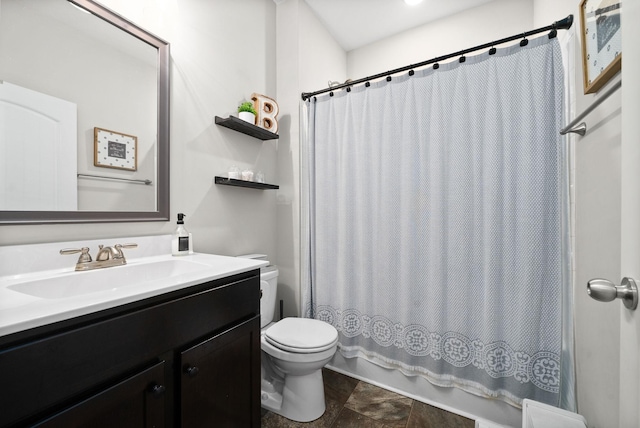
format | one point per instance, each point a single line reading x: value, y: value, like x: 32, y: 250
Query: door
x: 38, y: 151
x: 220, y: 379
x: 630, y: 215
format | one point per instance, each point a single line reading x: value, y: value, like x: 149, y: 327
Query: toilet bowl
x: 292, y: 377
x: 294, y: 351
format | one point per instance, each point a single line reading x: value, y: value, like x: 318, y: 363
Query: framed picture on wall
x: 601, y: 42
x: 115, y: 150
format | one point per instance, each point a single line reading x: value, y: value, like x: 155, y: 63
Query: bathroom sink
x: 38, y: 286
x: 71, y: 284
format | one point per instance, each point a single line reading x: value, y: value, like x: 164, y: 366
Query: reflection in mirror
x: 83, y: 115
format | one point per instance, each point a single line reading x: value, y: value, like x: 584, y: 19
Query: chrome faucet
x: 106, y: 257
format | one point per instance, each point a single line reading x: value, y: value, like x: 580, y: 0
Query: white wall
x: 221, y: 52
x: 482, y: 24
x: 307, y: 58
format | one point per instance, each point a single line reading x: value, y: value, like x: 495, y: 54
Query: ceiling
x: 355, y: 23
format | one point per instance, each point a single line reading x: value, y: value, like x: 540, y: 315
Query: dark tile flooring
x: 356, y: 404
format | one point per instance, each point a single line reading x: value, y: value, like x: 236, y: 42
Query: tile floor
x: 356, y: 404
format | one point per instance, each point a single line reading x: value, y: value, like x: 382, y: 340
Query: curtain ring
x: 436, y: 66
x: 493, y: 50
x: 411, y: 72
x: 524, y: 41
x: 462, y: 59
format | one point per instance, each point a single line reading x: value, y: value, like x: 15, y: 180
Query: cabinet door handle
x: 157, y: 390
x: 192, y: 371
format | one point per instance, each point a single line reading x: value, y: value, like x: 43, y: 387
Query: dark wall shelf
x: 243, y: 183
x: 247, y: 128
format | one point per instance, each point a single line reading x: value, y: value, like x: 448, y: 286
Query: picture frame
x: 115, y: 150
x: 601, y: 42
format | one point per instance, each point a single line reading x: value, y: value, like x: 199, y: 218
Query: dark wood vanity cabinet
x: 189, y: 358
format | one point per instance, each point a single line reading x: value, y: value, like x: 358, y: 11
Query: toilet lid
x: 302, y: 335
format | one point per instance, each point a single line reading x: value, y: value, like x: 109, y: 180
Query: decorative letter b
x: 267, y: 109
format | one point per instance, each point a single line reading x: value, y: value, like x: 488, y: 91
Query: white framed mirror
x: 84, y: 115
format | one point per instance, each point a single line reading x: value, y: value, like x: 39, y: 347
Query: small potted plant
x: 247, y: 113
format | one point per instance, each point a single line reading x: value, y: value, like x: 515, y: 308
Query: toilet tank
x: 268, y: 289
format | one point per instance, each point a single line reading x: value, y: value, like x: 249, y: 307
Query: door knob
x: 191, y: 370
x: 606, y: 291
x: 157, y: 389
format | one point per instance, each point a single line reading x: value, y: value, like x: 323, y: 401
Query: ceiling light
x: 412, y: 2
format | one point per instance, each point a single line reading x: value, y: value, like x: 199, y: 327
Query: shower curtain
x: 435, y: 229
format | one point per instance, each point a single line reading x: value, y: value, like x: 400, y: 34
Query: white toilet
x: 294, y: 351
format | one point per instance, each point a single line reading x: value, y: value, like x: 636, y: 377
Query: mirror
x: 90, y: 70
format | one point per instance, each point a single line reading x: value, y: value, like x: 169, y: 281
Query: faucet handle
x: 85, y: 257
x: 127, y: 245
x: 119, y: 248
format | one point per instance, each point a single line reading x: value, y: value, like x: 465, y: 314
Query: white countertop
x: 20, y: 311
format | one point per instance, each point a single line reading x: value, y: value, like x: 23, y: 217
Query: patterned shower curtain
x: 436, y: 222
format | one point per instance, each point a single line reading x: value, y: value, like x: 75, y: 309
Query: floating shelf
x: 247, y: 128
x: 243, y: 183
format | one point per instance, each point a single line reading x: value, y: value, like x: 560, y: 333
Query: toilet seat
x: 300, y: 358
x: 300, y: 350
x: 301, y: 335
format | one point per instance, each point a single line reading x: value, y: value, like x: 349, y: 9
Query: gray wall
x: 307, y: 58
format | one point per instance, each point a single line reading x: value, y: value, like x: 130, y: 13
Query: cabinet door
x: 220, y: 381
x: 138, y: 401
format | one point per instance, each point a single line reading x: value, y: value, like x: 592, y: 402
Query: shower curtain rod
x: 563, y: 24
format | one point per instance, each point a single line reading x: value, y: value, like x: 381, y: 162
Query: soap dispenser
x: 181, y: 243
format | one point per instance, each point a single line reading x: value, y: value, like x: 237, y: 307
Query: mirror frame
x: 162, y: 179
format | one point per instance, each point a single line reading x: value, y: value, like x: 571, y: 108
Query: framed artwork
x: 115, y: 150
x: 601, y: 42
